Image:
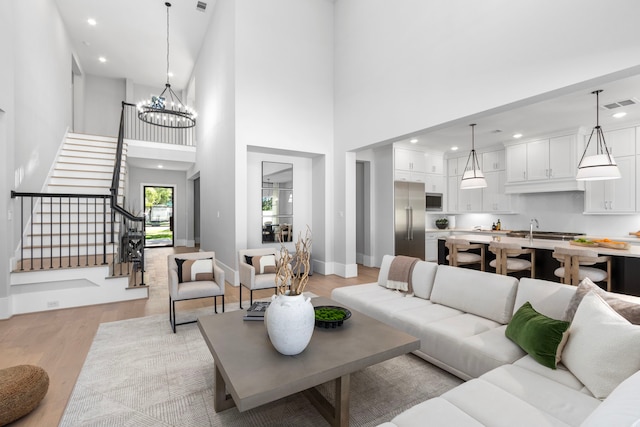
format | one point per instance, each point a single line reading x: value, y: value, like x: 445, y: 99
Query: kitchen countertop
x: 633, y: 251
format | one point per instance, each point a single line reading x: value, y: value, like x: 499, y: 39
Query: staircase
x: 70, y: 253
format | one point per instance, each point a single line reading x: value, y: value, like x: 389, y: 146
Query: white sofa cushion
x: 421, y: 278
x: 483, y: 294
x: 359, y: 297
x: 603, y: 346
x: 548, y: 298
x: 621, y: 408
x: 433, y: 412
x: 560, y: 375
x: 546, y: 395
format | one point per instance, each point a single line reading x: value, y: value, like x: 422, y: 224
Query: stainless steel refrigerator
x: 409, y: 216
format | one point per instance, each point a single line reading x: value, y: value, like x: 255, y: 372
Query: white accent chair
x: 195, y: 289
x: 248, y: 277
x: 507, y: 260
x: 574, y: 264
x: 458, y: 254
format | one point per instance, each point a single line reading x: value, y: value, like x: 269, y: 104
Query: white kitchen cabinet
x: 434, y: 163
x: 538, y: 160
x: 563, y: 157
x: 453, y: 187
x: 470, y: 200
x: 452, y: 167
x: 493, y: 161
x: 620, y: 142
x: 434, y: 183
x: 494, y: 198
x: 400, y: 175
x: 410, y: 160
x: 615, y: 195
x: 516, y: 159
x: 431, y: 247
x: 551, y: 160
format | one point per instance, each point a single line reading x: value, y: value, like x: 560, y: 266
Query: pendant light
x: 472, y: 176
x: 167, y: 110
x: 601, y: 165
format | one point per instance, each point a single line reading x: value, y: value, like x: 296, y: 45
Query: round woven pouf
x: 22, y: 388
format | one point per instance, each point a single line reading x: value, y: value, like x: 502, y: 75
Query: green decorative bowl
x: 442, y: 223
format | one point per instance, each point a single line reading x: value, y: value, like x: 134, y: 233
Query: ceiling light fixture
x: 167, y: 110
x: 413, y: 141
x: 91, y: 22
x: 102, y: 59
x: 517, y: 135
x: 472, y: 176
x: 619, y: 115
x: 454, y: 148
x: 601, y: 165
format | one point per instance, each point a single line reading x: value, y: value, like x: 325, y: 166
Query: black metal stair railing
x: 62, y: 230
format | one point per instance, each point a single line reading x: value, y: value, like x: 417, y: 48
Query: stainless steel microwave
x: 433, y: 201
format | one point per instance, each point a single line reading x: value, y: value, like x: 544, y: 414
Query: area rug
x: 139, y: 373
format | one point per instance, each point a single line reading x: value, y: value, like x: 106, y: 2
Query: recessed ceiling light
x: 160, y: 166
x: 91, y: 22
x: 102, y: 59
x: 170, y: 74
x: 517, y: 135
x: 413, y: 141
x: 620, y: 114
x: 454, y: 148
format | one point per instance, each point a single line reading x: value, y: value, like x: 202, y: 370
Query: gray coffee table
x: 253, y: 373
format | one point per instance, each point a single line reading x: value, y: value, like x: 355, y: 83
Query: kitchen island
x: 625, y: 268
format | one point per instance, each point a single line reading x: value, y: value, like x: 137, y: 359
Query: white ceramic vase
x: 290, y: 320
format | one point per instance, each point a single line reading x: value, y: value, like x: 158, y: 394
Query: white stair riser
x: 86, y: 154
x: 90, y: 173
x: 71, y: 160
x: 36, y: 241
x: 66, y: 252
x: 56, y: 229
x: 85, y: 182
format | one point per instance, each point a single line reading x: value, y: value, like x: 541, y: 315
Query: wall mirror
x: 277, y: 202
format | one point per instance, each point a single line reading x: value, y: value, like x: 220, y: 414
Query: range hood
x: 570, y: 184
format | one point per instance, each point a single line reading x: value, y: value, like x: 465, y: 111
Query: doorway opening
x: 158, y: 212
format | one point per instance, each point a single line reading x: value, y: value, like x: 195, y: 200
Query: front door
x: 158, y: 209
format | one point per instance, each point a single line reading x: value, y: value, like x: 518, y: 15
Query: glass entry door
x: 158, y: 212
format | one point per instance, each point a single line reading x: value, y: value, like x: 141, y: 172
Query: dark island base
x: 625, y: 271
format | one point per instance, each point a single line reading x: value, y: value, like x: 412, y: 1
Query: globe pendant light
x: 601, y: 165
x: 472, y: 176
x: 167, y: 110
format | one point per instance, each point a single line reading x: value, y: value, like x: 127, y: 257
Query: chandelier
x: 472, y: 176
x: 601, y: 165
x: 166, y: 109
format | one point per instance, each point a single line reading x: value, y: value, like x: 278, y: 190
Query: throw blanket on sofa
x: 400, y: 272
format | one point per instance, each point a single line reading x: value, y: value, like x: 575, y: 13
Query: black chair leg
x: 240, y: 296
x: 173, y: 311
x: 215, y: 305
x: 223, y: 303
x: 251, y: 298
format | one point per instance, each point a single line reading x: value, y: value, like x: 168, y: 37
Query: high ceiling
x: 132, y: 36
x: 550, y: 114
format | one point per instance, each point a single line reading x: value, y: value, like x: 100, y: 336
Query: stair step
x: 88, y: 149
x: 92, y: 138
x: 75, y: 160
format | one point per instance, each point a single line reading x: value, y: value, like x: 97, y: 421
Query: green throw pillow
x: 540, y: 336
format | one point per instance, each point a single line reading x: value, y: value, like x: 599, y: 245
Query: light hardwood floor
x: 59, y: 340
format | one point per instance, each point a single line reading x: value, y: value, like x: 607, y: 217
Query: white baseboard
x: 230, y: 275
x: 342, y: 270
x: 5, y: 308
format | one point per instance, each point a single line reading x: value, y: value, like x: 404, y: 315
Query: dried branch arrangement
x: 285, y: 274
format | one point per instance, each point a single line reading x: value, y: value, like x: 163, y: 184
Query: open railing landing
x: 69, y: 230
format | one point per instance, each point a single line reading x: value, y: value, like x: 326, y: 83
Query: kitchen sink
x: 550, y: 235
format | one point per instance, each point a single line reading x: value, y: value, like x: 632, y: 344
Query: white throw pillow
x: 603, y: 347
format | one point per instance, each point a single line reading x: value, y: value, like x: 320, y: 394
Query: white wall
x: 284, y: 84
x: 7, y: 111
x: 42, y: 85
x: 215, y: 103
x: 183, y: 212
x: 103, y: 104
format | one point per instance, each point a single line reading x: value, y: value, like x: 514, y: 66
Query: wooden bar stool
x: 507, y: 260
x: 574, y: 266
x: 458, y: 254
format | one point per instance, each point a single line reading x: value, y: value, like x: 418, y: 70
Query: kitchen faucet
x: 531, y: 228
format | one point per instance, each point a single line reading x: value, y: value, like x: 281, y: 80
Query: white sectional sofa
x: 460, y: 316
